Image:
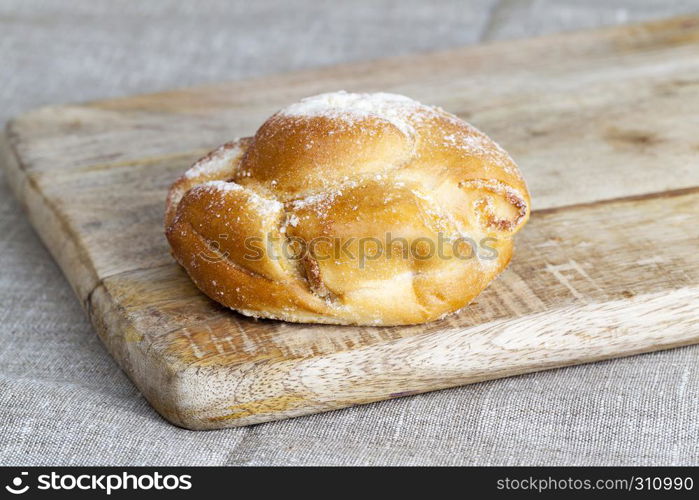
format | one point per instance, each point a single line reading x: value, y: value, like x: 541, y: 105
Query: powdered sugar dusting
x: 399, y: 110
x: 320, y: 202
x: 476, y: 143
x: 264, y: 206
x: 216, y: 162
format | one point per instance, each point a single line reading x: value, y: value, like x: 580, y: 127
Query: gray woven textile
x: 64, y: 401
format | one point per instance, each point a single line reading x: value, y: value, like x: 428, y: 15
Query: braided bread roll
x: 365, y: 209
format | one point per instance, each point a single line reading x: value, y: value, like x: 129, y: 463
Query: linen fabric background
x: 64, y: 401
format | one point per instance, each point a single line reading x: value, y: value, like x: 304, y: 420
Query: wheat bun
x: 363, y: 209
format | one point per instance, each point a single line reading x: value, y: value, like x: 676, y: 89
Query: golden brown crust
x: 367, y: 209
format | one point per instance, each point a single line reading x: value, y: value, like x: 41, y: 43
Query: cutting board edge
x: 88, y: 289
x: 177, y: 394
x: 42, y: 216
x: 9, y: 159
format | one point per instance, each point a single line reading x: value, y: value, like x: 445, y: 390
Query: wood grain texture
x: 604, y: 124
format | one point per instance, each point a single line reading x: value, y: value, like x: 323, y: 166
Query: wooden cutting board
x: 604, y: 124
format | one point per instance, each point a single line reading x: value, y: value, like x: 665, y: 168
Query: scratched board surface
x: 604, y: 124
